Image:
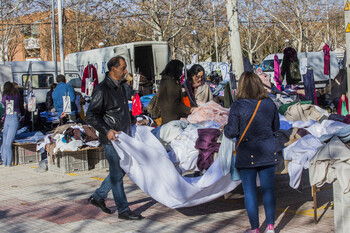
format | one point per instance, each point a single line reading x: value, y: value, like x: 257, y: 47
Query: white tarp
x: 146, y: 162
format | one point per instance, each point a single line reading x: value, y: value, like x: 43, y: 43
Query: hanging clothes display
x: 309, y: 86
x: 290, y: 66
x: 89, y: 71
x: 277, y: 73
x: 327, y: 57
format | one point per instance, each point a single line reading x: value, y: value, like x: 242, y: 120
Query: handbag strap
x: 246, y: 128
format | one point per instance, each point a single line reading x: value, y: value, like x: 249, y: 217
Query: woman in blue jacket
x: 257, y: 152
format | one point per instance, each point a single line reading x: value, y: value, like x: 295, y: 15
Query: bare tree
x: 255, y: 27
x: 9, y: 11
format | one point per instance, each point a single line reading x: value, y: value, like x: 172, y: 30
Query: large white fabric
x: 145, y: 161
x: 326, y: 127
x: 299, y: 154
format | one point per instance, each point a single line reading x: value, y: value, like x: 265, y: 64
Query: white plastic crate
x: 25, y: 153
x: 69, y: 161
x: 97, y: 159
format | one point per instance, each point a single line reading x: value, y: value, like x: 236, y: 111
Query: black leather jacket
x: 109, y: 109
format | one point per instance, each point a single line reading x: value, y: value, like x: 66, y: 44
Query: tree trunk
x: 235, y: 42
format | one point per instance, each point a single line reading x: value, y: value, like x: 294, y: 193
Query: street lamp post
x: 195, y: 33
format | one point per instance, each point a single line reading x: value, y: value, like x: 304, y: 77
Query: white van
x: 148, y: 58
x: 314, y: 61
x: 40, y: 75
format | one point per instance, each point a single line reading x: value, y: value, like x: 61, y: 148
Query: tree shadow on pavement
x: 291, y: 202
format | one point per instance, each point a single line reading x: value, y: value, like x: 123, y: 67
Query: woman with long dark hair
x: 257, y: 150
x: 170, y: 93
x: 11, y: 103
x: 197, y: 90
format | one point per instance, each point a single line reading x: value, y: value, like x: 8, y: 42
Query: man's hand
x: 111, y: 135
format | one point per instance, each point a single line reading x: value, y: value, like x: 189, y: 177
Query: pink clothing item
x: 209, y: 111
x: 327, y: 57
x: 277, y: 73
x: 87, y: 74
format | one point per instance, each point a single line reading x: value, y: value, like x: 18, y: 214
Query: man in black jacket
x: 109, y: 114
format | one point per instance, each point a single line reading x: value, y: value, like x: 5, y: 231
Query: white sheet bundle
x: 146, y: 162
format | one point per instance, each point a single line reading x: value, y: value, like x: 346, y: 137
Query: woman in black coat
x: 170, y: 93
x: 257, y: 152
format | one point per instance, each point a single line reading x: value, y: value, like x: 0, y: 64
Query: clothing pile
x: 70, y: 137
x: 209, y: 111
x: 306, y: 130
x: 180, y: 139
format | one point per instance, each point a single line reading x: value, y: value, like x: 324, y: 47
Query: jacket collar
x: 110, y: 82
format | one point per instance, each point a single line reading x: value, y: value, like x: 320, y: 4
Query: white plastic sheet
x: 145, y: 161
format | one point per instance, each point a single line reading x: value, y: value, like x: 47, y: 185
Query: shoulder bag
x: 153, y: 106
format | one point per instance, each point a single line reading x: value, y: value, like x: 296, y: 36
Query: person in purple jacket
x: 11, y: 103
x: 258, y: 151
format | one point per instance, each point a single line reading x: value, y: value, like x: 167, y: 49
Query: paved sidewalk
x: 53, y: 202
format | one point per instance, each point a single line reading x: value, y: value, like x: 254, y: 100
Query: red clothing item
x: 87, y: 71
x: 327, y: 57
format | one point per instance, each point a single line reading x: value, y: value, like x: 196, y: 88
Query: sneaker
x: 270, y: 229
x: 252, y: 231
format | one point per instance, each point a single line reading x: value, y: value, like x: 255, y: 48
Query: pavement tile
x: 54, y: 202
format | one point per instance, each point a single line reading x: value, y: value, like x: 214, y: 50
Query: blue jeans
x: 248, y: 177
x: 114, y: 181
x: 9, y: 133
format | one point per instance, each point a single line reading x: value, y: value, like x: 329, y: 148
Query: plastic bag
x: 136, y: 105
x: 42, y: 166
x: 344, y: 111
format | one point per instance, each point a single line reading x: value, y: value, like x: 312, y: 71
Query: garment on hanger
x: 89, y: 71
x: 309, y: 86
x: 327, y: 57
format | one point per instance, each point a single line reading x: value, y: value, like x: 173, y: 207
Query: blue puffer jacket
x: 259, y: 146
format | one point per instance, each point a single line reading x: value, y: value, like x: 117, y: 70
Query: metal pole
x: 327, y: 22
x: 197, y: 48
x: 216, y: 37
x: 235, y: 42
x: 60, y: 34
x: 31, y: 91
x: 347, y: 42
x: 53, y: 35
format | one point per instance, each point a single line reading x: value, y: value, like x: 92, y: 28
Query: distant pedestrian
x: 63, y: 89
x: 257, y: 151
x: 49, y: 99
x: 109, y: 114
x: 197, y: 90
x: 11, y: 102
